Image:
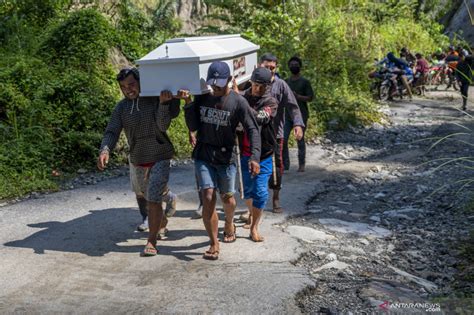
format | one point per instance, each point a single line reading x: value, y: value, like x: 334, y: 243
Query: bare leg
x: 248, y: 202
x: 407, y: 86
x: 229, y: 204
x: 256, y: 215
x: 210, y: 219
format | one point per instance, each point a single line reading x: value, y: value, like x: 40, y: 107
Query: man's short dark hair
x: 297, y: 59
x: 268, y: 57
x: 418, y: 55
x: 125, y: 72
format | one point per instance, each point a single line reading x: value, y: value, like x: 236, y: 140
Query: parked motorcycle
x: 442, y: 74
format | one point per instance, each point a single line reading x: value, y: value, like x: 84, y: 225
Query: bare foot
x: 254, y: 236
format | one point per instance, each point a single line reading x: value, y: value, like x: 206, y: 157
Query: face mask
x: 295, y: 69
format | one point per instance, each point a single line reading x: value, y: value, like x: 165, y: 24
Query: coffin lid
x: 200, y: 49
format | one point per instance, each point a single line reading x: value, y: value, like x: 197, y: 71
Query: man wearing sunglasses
x: 215, y: 117
x: 145, y: 121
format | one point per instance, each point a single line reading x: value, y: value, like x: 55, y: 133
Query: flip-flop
x: 211, y: 255
x: 150, y: 251
x: 229, y: 235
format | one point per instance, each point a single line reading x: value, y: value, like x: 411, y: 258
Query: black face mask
x: 295, y: 69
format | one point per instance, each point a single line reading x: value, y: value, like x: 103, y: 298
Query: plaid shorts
x: 151, y: 182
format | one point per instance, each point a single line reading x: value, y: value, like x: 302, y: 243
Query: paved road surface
x: 76, y: 251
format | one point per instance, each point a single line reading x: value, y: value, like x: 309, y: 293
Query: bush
x: 178, y: 133
x: 53, y: 109
x: 82, y: 40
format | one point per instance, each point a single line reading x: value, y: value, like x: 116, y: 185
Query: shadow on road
x: 101, y: 232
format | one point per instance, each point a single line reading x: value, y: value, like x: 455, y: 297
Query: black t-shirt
x: 301, y: 86
x: 215, y: 119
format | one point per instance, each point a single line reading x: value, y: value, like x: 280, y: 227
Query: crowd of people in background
x: 452, y: 67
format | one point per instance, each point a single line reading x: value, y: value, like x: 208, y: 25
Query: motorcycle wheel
x: 375, y: 90
x: 384, y: 93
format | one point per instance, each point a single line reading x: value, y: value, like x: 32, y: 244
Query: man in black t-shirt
x: 215, y: 117
x: 303, y: 92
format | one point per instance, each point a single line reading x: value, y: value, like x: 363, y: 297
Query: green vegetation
x: 338, y: 41
x: 57, y: 86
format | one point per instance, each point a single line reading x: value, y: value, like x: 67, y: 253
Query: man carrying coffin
x: 145, y: 121
x: 215, y: 117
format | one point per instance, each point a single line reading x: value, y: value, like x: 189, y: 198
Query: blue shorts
x: 256, y: 188
x: 220, y: 177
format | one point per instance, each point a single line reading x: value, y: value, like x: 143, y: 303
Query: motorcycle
x: 436, y: 75
x: 442, y: 74
x: 389, y: 83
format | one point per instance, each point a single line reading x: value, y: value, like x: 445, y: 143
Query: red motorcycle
x: 437, y: 75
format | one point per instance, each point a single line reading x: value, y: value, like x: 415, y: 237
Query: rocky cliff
x: 191, y: 13
x: 459, y: 21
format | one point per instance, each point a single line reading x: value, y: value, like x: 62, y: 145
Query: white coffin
x: 182, y: 63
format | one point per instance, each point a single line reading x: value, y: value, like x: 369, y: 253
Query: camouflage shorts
x: 151, y: 182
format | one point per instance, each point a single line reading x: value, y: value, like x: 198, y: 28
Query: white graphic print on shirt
x: 215, y: 116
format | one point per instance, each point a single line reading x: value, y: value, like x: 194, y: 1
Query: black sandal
x: 230, y: 235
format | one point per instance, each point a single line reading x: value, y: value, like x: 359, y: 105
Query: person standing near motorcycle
x: 452, y: 61
x: 421, y: 72
x: 464, y: 75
